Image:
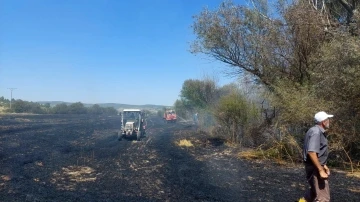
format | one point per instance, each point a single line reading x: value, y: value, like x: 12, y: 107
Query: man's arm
x: 314, y: 158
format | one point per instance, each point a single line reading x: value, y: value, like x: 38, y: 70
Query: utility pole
x: 11, y: 90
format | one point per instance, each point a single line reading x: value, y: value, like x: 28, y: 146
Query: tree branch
x: 348, y: 7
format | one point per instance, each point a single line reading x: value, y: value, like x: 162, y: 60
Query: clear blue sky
x: 100, y: 51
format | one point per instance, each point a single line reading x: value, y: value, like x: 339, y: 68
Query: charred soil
x: 78, y: 158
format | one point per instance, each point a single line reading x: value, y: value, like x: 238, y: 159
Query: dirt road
x: 78, y: 158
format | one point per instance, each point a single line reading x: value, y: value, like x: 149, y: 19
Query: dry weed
x: 185, y: 143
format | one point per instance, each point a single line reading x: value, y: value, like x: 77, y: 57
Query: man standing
x: 315, y: 158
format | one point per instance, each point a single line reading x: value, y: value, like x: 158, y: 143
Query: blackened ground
x: 78, y: 158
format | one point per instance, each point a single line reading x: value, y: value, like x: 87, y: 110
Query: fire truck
x: 169, y: 116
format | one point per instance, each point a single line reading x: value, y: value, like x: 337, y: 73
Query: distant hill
x: 115, y: 105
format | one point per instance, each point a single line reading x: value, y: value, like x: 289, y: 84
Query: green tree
x: 20, y: 106
x: 252, y: 42
x: 339, y: 61
x: 95, y: 109
x: 160, y: 113
x: 60, y: 109
x: 36, y: 108
x: 4, y: 101
x: 146, y: 112
x: 199, y: 93
x: 183, y: 109
x: 77, y: 108
x: 306, y: 55
x: 47, y: 105
x: 235, y: 113
x: 110, y: 111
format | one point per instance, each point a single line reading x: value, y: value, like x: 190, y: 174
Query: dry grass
x: 185, y: 143
x: 250, y: 154
x: 5, y: 177
x: 262, y: 154
x: 2, y: 109
x: 354, y: 174
x: 69, y: 177
x: 356, y: 190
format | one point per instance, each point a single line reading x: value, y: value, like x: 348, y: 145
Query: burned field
x: 78, y: 158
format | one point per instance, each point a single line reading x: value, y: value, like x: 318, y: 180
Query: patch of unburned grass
x: 5, y: 177
x: 69, y: 177
x: 356, y: 190
x: 185, y: 143
x: 261, y: 155
x: 354, y: 174
x: 251, y: 154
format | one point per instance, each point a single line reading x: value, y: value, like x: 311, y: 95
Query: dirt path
x: 78, y: 158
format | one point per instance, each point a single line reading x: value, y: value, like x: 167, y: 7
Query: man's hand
x: 323, y: 171
x: 323, y: 174
x: 327, y: 170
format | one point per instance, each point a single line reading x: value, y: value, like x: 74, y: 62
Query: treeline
x: 305, y: 57
x: 21, y: 106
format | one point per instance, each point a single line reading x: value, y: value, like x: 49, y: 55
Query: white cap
x: 322, y: 116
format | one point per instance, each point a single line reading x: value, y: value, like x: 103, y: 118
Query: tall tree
x: 198, y: 93
x: 249, y: 40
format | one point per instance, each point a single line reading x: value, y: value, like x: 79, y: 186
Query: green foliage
x: 233, y: 108
x: 77, y: 108
x: 228, y: 89
x: 95, y: 109
x: 161, y: 112
x: 208, y: 100
x: 308, y: 58
x: 4, y: 102
x: 251, y: 41
x: 20, y: 106
x: 146, y: 112
x: 47, y: 105
x: 60, y: 109
x: 183, y: 108
x: 110, y: 111
x: 198, y: 96
x: 198, y: 93
x: 338, y: 74
x: 296, y: 103
x: 236, y: 113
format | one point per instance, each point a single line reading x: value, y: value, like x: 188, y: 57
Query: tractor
x: 132, y: 124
